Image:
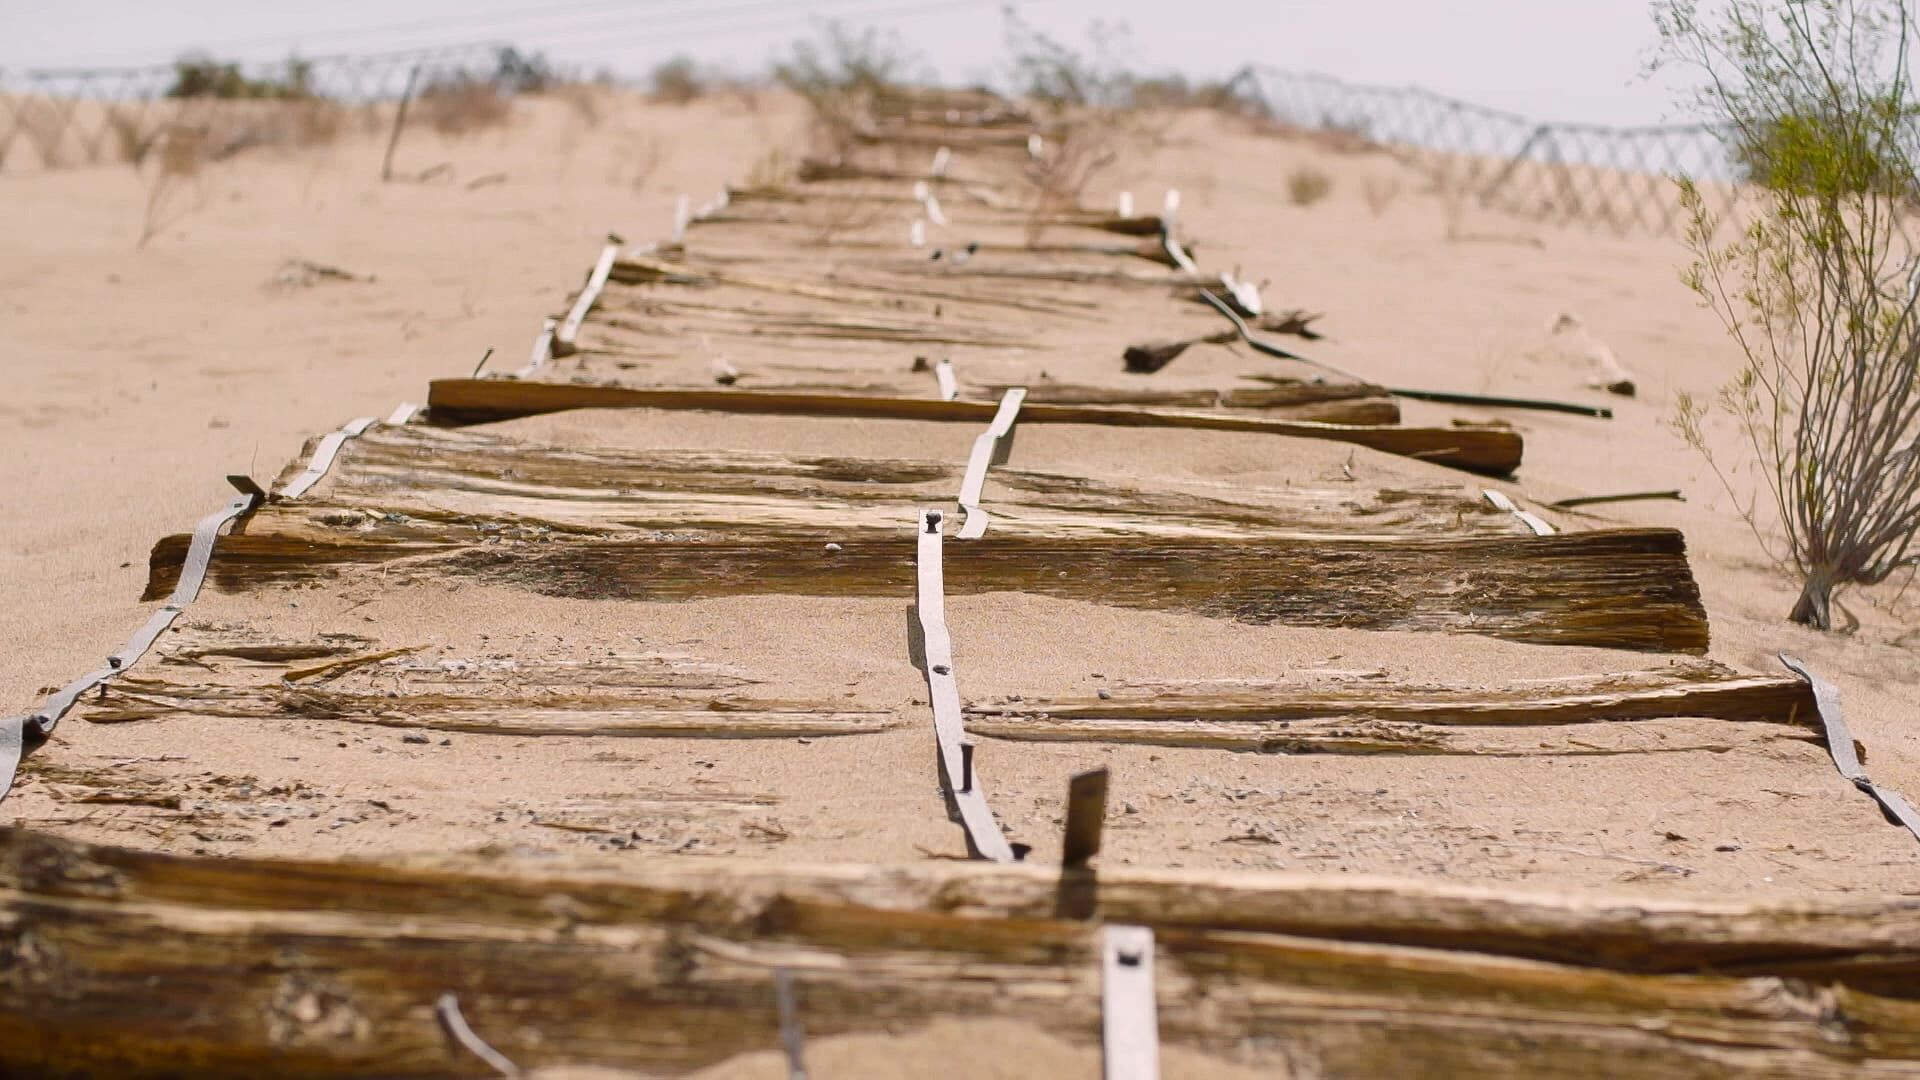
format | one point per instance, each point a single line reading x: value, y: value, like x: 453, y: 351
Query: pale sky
x: 1569, y: 60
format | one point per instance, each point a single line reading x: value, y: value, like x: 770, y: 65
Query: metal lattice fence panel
x: 54, y: 119
x: 1621, y: 179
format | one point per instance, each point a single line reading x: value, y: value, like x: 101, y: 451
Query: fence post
x: 399, y: 121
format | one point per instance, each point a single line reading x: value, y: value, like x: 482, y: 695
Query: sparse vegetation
x: 1307, y: 185
x: 1380, y: 192
x: 841, y: 74
x: 46, y: 129
x: 649, y: 154
x: 1085, y: 104
x: 199, y: 76
x: 1821, y: 292
x: 461, y: 103
x: 678, y: 81
x: 177, y: 167
x: 771, y: 169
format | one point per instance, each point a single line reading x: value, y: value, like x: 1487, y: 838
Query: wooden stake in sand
x: 399, y: 122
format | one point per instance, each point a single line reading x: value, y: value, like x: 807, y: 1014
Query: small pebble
x: 833, y: 547
x: 413, y: 737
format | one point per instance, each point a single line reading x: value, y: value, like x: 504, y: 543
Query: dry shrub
x: 315, y: 122
x: 587, y: 100
x: 771, y: 169
x: 1090, y: 107
x: 131, y: 141
x: 462, y: 104
x: 652, y: 154
x: 43, y: 126
x: 183, y: 154
x: 678, y: 81
x: 840, y: 76
x: 1307, y: 185
x: 1066, y: 165
x: 1380, y: 192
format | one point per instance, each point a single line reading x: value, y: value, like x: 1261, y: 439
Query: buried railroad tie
x: 15, y: 730
x: 463, y: 401
x: 1302, y: 967
x: 1826, y: 698
x: 956, y: 754
x: 596, y: 280
x: 1129, y: 1015
x: 985, y: 449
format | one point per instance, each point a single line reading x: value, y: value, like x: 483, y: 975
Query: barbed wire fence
x: 1620, y: 179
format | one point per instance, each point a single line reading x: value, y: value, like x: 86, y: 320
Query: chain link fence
x: 53, y: 119
x: 1619, y: 179
x: 1614, y: 178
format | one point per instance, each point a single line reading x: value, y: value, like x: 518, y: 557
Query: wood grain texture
x: 1490, y: 451
x: 1694, y: 688
x: 1368, y: 736
x: 251, y: 967
x: 1626, y: 588
x: 523, y: 711
x: 431, y: 472
x: 1692, y: 707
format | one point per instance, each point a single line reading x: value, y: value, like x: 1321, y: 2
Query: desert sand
x: 142, y: 377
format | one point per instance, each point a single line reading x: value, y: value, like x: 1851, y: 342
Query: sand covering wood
x: 500, y: 668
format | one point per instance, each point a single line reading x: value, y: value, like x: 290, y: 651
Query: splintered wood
x: 331, y: 969
x: 674, y: 579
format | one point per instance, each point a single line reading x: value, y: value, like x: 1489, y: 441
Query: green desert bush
x: 1820, y: 289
